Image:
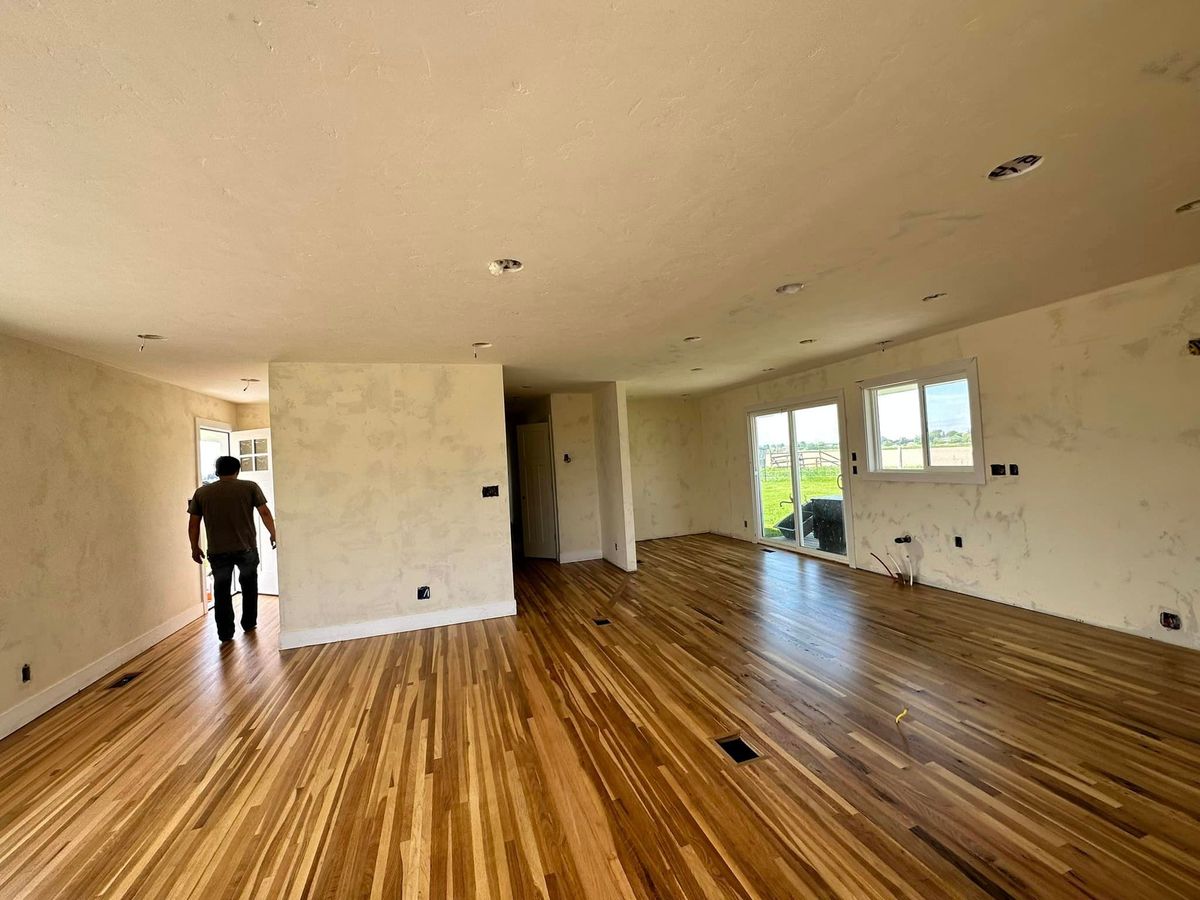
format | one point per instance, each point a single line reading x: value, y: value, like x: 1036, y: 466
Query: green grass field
x: 777, y: 485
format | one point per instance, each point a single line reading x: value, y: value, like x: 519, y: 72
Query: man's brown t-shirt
x: 227, y: 508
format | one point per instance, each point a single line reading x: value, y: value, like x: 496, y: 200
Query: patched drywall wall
x: 253, y: 415
x: 668, y: 473
x: 99, y: 465
x: 576, y: 491
x: 1098, y: 402
x: 379, y: 471
x: 614, y: 480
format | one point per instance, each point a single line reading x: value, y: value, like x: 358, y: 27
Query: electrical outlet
x: 1013, y: 469
x: 958, y: 540
x: 423, y: 592
x: 491, y: 490
x: 26, y: 674
x: 1170, y: 620
x: 745, y: 523
x: 999, y: 469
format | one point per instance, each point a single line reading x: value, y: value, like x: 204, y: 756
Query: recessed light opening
x: 1189, y: 207
x: 792, y: 287
x: 691, y: 339
x: 698, y: 369
x: 500, y: 266
x: 808, y: 341
x: 1020, y: 165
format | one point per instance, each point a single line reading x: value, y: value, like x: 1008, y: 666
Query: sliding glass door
x: 800, y: 471
x: 773, y: 478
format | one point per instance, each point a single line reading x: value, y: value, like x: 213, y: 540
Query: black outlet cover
x: 423, y: 592
x: 1170, y: 620
x: 854, y: 470
x: 853, y: 456
x: 998, y: 469
x: 957, y: 541
x: 491, y: 490
x: 1013, y: 470
x: 25, y: 673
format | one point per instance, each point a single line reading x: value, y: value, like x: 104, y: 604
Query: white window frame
x: 954, y: 371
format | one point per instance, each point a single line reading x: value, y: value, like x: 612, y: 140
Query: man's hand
x: 197, y: 555
x: 274, y: 543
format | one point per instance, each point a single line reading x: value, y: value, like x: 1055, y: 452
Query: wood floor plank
x: 547, y: 756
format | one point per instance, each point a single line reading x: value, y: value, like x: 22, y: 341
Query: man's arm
x: 269, y: 522
x: 194, y: 537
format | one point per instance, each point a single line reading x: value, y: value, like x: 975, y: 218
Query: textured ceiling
x: 328, y: 181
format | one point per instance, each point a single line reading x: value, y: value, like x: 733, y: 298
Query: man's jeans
x: 222, y: 569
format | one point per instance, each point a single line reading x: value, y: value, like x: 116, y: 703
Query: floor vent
x: 125, y: 679
x: 737, y: 749
x: 766, y: 549
x: 602, y: 621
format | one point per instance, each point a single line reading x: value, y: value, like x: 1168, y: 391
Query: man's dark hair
x: 228, y: 465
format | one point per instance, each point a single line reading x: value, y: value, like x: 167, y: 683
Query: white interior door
x: 536, y: 472
x: 253, y: 448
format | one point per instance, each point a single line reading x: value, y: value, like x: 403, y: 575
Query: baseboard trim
x: 580, y: 556
x: 48, y: 698
x: 352, y: 631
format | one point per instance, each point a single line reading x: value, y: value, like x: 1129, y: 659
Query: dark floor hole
x: 125, y: 679
x: 602, y: 621
x: 739, y: 751
x: 766, y: 549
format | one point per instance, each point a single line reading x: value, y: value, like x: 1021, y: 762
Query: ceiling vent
x: 1014, y: 167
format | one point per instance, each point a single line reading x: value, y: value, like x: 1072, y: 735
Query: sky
x: 946, y: 405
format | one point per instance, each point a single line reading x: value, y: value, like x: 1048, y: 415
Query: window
x: 924, y: 425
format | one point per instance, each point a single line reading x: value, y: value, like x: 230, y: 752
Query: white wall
x: 1096, y: 399
x: 576, y: 491
x: 379, y: 472
x: 94, y: 560
x: 613, y: 476
x: 668, y: 473
x: 252, y: 415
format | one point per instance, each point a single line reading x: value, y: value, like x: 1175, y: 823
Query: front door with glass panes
x: 253, y: 448
x: 800, y: 482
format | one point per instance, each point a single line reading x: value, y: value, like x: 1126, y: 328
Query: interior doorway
x: 535, y: 465
x: 252, y: 447
x: 801, y: 483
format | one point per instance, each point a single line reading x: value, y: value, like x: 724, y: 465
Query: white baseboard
x: 289, y: 640
x: 580, y: 556
x: 48, y: 698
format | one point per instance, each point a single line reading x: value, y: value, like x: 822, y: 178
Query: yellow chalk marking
x: 903, y: 713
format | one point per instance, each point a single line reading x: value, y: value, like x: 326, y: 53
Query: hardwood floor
x: 548, y: 756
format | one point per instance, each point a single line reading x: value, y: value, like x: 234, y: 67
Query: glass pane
x: 247, y: 463
x: 899, y: 423
x: 774, y: 476
x: 212, y: 445
x: 948, y: 421
x: 260, y: 445
x: 818, y: 461
x: 245, y: 448
x: 260, y: 464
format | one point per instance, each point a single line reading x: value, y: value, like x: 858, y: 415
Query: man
x: 227, y: 507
